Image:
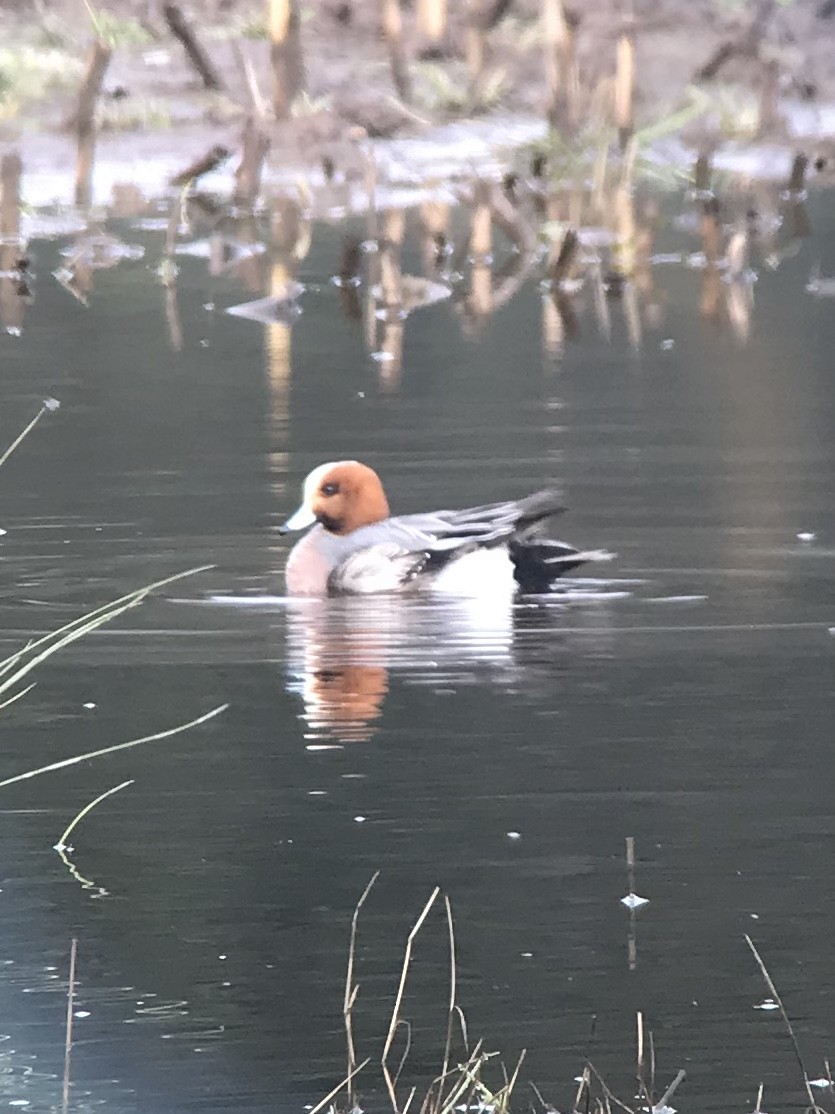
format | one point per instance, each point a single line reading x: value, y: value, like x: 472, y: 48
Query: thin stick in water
x: 48, y: 405
x: 68, y: 1037
x: 671, y: 1090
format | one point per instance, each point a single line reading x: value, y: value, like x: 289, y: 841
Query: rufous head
x: 341, y: 495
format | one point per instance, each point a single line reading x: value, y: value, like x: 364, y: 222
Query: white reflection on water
x: 340, y: 652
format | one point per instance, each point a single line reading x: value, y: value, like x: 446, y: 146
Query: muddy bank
x: 707, y: 76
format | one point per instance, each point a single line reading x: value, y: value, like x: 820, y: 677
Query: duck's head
x: 341, y: 495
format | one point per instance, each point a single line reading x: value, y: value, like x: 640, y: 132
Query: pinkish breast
x: 308, y: 568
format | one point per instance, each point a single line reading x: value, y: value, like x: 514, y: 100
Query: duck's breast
x: 310, y: 564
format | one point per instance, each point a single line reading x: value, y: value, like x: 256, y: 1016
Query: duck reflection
x: 340, y: 653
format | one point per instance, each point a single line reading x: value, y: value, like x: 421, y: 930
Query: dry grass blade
x: 62, y: 844
x: 769, y: 983
x: 68, y: 1034
x: 338, y: 1087
x: 47, y: 405
x: 609, y: 1095
x: 351, y: 990
x: 17, y: 696
x: 400, y: 990
x: 111, y: 750
x: 468, y: 1079
x: 17, y: 665
x: 452, y: 988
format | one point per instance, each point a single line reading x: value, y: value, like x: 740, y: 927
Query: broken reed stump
x: 255, y: 144
x: 393, y: 34
x: 431, y: 18
x: 563, y: 81
x: 625, y: 88
x: 476, y: 48
x: 769, y: 116
x: 180, y: 29
x: 206, y: 163
x: 84, y: 120
x: 745, y: 45
x: 285, y: 55
x: 496, y: 13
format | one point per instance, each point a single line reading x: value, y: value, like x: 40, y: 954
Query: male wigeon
x: 356, y: 547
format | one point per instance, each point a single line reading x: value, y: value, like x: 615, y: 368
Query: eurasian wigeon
x: 356, y: 547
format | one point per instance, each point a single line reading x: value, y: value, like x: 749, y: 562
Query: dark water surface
x: 682, y: 695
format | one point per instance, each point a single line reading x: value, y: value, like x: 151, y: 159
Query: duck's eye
x: 330, y: 489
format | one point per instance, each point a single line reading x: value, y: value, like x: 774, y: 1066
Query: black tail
x: 537, y: 564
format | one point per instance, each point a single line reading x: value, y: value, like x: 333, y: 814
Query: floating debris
x: 417, y: 293
x: 271, y: 310
x: 818, y: 285
x: 101, y: 250
x: 514, y: 835
x: 806, y: 536
x: 666, y: 345
x: 633, y: 901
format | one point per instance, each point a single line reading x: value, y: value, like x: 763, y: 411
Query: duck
x: 354, y: 546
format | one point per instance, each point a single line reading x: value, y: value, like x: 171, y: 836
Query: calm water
x: 682, y: 695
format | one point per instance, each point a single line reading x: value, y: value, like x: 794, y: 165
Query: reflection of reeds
x: 12, y: 283
x: 434, y: 218
x: 390, y: 352
x: 480, y: 301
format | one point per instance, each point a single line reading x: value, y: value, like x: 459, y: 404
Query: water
x: 682, y: 695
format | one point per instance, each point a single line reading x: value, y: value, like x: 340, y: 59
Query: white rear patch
x: 482, y: 572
